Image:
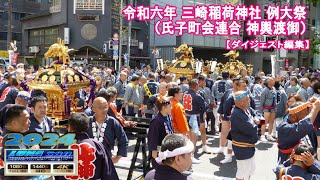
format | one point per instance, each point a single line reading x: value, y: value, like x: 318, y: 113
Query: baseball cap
x: 24, y: 95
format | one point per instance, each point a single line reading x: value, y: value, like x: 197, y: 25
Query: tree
x: 36, y: 62
x: 315, y: 45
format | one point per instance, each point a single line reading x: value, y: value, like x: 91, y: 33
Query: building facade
x: 204, y: 47
x: 316, y: 57
x: 86, y: 26
x: 20, y: 9
x: 213, y: 47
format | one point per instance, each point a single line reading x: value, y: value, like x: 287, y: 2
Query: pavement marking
x: 125, y: 163
x: 210, y: 176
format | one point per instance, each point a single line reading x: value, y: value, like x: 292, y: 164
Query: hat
x: 20, y: 65
x: 24, y: 95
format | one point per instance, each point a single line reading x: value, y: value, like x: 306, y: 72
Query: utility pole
x: 129, y: 38
x: 154, y: 46
x: 9, y: 34
x: 121, y: 35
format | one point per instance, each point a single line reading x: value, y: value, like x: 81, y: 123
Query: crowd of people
x: 242, y: 109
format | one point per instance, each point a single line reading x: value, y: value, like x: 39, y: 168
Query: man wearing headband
x: 304, y: 165
x: 160, y: 126
x: 244, y: 134
x: 294, y: 127
x: 175, y: 157
x: 240, y: 85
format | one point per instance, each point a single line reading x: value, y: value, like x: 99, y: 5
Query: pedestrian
x: 295, y: 127
x: 160, y: 126
x: 244, y: 133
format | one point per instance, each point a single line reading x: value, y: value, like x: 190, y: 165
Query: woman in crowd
x: 160, y: 126
x: 268, y: 104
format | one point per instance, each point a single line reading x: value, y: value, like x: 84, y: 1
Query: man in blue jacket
x: 296, y: 128
x: 195, y: 107
x: 302, y: 165
x: 244, y: 133
x: 107, y: 129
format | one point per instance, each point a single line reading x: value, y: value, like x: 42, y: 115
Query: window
x: 17, y: 16
x: 55, y: 6
x: 89, y: 4
x: 133, y: 34
x: 23, y: 15
x: 313, y: 22
x: 51, y: 36
x: 43, y: 36
x: 35, y: 37
x: 3, y: 36
x: 17, y: 36
x: 5, y: 15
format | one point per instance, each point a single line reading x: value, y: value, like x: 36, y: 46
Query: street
x: 210, y: 167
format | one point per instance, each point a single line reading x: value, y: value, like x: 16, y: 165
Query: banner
x: 14, y: 59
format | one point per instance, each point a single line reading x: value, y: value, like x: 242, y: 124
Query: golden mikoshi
x: 60, y: 82
x: 185, y: 64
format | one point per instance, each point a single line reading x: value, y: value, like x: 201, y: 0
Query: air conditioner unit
x: 33, y: 49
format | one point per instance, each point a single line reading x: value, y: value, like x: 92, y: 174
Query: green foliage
x: 36, y: 62
x: 313, y: 1
x: 315, y: 45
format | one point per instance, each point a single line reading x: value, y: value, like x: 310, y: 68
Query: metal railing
x: 89, y: 6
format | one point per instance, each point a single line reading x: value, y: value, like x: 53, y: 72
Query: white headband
x: 179, y: 151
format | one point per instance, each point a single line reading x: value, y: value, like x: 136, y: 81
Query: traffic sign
x: 115, y: 47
